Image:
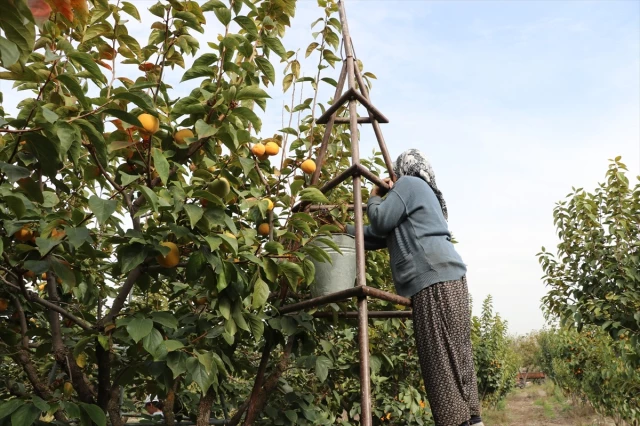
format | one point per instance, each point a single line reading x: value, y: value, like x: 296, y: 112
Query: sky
x: 514, y: 102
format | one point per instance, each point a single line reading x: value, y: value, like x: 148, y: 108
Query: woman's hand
x: 381, y: 192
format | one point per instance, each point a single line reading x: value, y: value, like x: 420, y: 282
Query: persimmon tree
x: 148, y: 233
x: 595, y: 277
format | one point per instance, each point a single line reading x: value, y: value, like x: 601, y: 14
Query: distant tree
x: 595, y: 277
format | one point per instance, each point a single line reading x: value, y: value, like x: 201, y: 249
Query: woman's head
x: 412, y: 162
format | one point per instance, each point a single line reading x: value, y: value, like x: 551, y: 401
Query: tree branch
x: 33, y: 297
x: 120, y: 300
x: 270, y: 384
x: 61, y: 353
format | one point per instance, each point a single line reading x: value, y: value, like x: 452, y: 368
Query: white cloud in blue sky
x: 514, y: 102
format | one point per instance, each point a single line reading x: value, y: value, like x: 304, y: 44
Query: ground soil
x: 542, y: 405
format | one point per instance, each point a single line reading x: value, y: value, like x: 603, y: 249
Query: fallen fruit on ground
x: 258, y: 149
x: 220, y: 187
x: 150, y: 124
x: 263, y: 229
x: 23, y: 234
x: 181, y: 135
x: 172, y: 258
x: 308, y: 166
x: 271, y: 148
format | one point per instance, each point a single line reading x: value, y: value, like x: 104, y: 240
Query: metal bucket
x: 340, y: 274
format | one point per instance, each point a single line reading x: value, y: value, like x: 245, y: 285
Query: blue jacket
x: 410, y: 223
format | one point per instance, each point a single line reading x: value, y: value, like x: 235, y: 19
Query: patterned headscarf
x: 414, y: 163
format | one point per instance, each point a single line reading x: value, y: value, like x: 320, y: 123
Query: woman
x: 412, y: 222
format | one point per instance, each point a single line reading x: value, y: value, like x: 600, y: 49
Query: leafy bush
x: 591, y: 368
x: 495, y: 359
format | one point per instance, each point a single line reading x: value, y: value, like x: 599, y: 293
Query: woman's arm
x: 385, y: 215
x: 371, y: 240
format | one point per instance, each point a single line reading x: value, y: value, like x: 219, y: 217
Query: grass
x: 541, y: 405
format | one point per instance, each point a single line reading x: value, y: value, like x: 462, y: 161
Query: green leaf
x: 310, y: 49
x: 45, y: 245
x: 166, y: 319
x: 87, y: 63
x: 67, y: 134
x: 97, y: 140
x: 131, y: 10
x: 97, y: 415
x: 78, y: 236
x: 198, y: 71
x: 199, y: 374
x: 161, y: 164
x: 177, y: 361
x: 205, y: 60
x: 74, y: 87
x: 190, y: 19
x: 211, y: 5
x: 230, y: 242
x: 248, y: 115
x: 140, y: 99
x: 172, y: 345
x: 152, y: 343
x: 194, y: 213
x: 49, y: 115
x: 204, y: 130
x: 32, y: 189
x: 150, y: 196
x: 292, y: 271
x: 260, y: 294
x: 17, y: 23
x: 247, y: 24
x: 64, y: 272
x: 323, y: 364
x: 313, y: 195
x: 131, y: 256
x: 267, y: 68
x: 223, y: 14
x: 8, y: 407
x: 124, y: 116
x: 25, y: 415
x: 102, y: 209
x: 9, y: 53
x: 275, y: 44
x: 225, y: 307
x: 292, y: 416
x: 14, y: 172
x: 139, y: 328
x: 195, y: 266
x: 46, y: 150
x: 251, y: 92
x: 256, y: 325
x: 40, y: 403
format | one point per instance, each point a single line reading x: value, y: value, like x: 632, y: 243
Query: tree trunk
x: 204, y: 408
x: 169, y: 403
x: 113, y: 407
